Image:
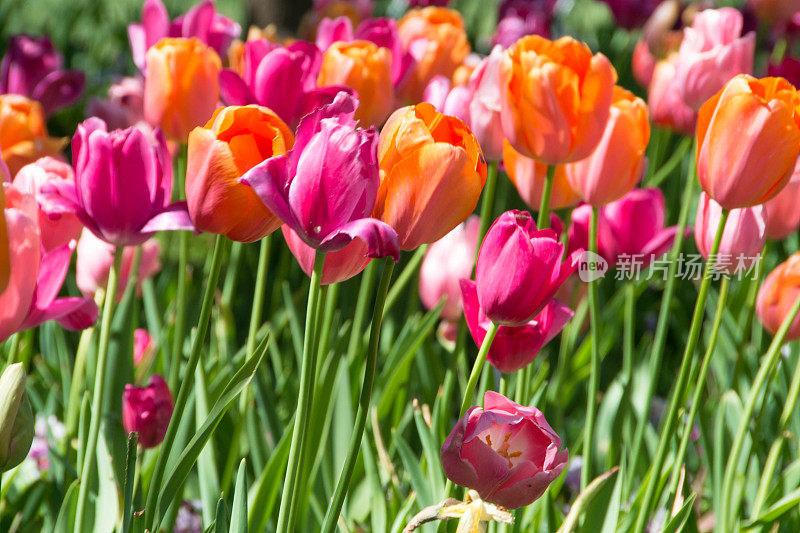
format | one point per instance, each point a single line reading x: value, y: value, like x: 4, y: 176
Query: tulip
x: 742, y: 240
x: 745, y: 170
x: 781, y: 211
x: 143, y: 347
x: 23, y: 134
x: 518, y: 18
x: 447, y: 261
x: 234, y: 141
x: 437, y: 42
x: 519, y: 269
x: 95, y: 257
x: 355, y: 10
x: 32, y: 67
x: 16, y: 418
x: 513, y: 347
x: 123, y: 106
x: 528, y: 176
x: 123, y: 184
x: 774, y: 11
x: 181, y: 86
x: 711, y: 53
x: 667, y: 108
x: 506, y: 452
x: 447, y: 98
x: 432, y: 174
x: 147, y: 410
x: 643, y: 63
x: 777, y: 296
x: 632, y: 14
x: 788, y: 68
x: 485, y: 105
x: 556, y: 98
x: 630, y: 226
x: 202, y: 21
x: 618, y: 161
x: 58, y: 222
x: 365, y: 68
x: 325, y: 187
x: 283, y: 79
x: 36, y: 277
x: 5, y: 259
x: 340, y: 265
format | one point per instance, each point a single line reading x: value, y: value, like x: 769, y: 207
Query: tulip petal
x: 73, y: 313
x: 380, y: 238
x: 174, y: 217
x: 233, y: 90
x: 59, y: 89
x: 52, y: 272
x: 270, y: 180
x: 197, y: 21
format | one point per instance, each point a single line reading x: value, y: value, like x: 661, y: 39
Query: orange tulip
x: 556, y: 98
x: 528, y: 176
x: 432, y: 174
x: 5, y: 262
x: 778, y: 294
x: 748, y: 138
x: 181, y: 87
x: 617, y: 163
x: 366, y: 68
x: 436, y: 40
x: 23, y: 134
x: 234, y: 140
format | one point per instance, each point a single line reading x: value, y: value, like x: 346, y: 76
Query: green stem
x: 258, y: 297
x: 676, y: 399
x: 367, y: 278
x: 335, y: 507
x: 90, y: 457
x: 700, y: 385
x: 302, y: 416
x: 628, y: 331
x: 594, y: 368
x: 543, y: 220
x: 186, y: 384
x: 729, y: 506
x: 487, y: 202
x: 180, y: 296
x: 477, y: 367
x: 398, y: 289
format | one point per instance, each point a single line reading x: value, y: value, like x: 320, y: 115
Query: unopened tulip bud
x: 16, y: 418
x: 147, y: 410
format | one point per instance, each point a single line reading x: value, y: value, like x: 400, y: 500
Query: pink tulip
x: 506, y: 452
x: 448, y: 99
x: 643, y: 63
x: 742, y: 240
x: 143, y: 346
x: 447, y: 261
x: 58, y: 223
x: 326, y: 186
x: 123, y: 106
x: 484, y: 107
x: 339, y: 266
x: 781, y: 211
x: 95, y: 257
x: 519, y: 269
x: 631, y: 226
x: 147, y: 410
x: 123, y: 184
x: 518, y: 18
x: 711, y: 53
x: 202, y: 21
x: 514, y: 347
x: 667, y: 108
x: 32, y: 67
x: 36, y: 276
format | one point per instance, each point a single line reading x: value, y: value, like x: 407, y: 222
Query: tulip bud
x: 777, y: 296
x: 147, y: 410
x: 745, y: 170
x: 23, y: 134
x: 16, y: 418
x: 181, y: 87
x: 432, y: 174
x: 742, y: 239
x: 143, y: 347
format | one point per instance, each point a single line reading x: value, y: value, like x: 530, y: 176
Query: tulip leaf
x: 411, y: 463
x: 130, y: 474
x: 65, y: 522
x: 221, y: 520
x: 265, y: 491
x: 584, y: 499
x: 239, y: 513
x: 206, y: 464
x: 677, y: 522
x: 178, y: 474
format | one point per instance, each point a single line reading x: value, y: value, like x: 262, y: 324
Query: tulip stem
x: 729, y: 506
x: 90, y: 456
x: 302, y: 414
x: 594, y: 368
x: 398, y: 289
x: 700, y: 385
x: 335, y: 507
x: 543, y: 220
x: 180, y: 296
x: 668, y: 424
x: 186, y: 384
x: 487, y: 203
x: 477, y: 368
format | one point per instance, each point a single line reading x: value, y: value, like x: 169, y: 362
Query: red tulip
x: 147, y: 410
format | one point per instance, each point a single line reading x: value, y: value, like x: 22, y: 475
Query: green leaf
x: 207, y: 474
x: 418, y: 480
x: 130, y: 474
x: 776, y: 510
x: 239, y: 515
x: 265, y: 491
x: 584, y: 499
x: 65, y: 523
x: 677, y: 522
x: 188, y: 458
x: 107, y: 509
x: 221, y: 520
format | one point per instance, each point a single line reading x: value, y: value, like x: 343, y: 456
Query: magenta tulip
x: 36, y: 277
x: 339, y: 266
x: 58, y: 221
x: 711, y: 53
x: 123, y: 184
x: 147, y: 410
x: 742, y: 240
x: 202, y: 21
x: 325, y: 187
x: 143, y: 347
x: 519, y: 269
x: 506, y: 452
x: 632, y: 14
x: 123, y: 105
x: 513, y: 347
x: 518, y: 18
x: 32, y: 67
x: 781, y: 211
x: 447, y: 261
